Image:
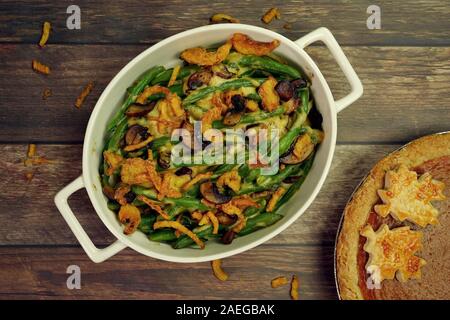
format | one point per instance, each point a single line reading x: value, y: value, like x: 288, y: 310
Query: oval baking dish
x: 166, y: 53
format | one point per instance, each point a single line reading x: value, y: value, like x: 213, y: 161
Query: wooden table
x: 404, y: 67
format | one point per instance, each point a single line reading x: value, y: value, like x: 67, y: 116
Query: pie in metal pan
x: 393, y: 241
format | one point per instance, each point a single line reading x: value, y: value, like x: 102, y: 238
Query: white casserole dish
x: 166, y: 53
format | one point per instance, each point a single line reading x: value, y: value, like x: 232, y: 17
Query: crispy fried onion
x: 274, y: 199
x: 119, y: 194
x: 45, y: 34
x: 278, y: 282
x: 174, y: 75
x: 272, y: 13
x: 230, y: 179
x: 178, y: 226
x: 244, y: 201
x: 154, y: 205
x: 141, y: 172
x: 294, y: 287
x: 83, y: 94
x: 167, y: 186
x: 270, y: 98
x: 223, y: 18
x: 209, y: 117
x: 214, y: 221
x: 196, y: 215
x: 199, y: 177
x: 113, y: 160
x: 202, y: 57
x: 170, y: 112
x: 246, y: 45
x: 216, y: 266
x: 231, y: 209
x: 149, y: 91
x: 40, y: 67
x: 139, y: 145
x: 31, y: 150
x: 130, y: 217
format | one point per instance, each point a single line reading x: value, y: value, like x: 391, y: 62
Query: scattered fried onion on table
x: 278, y: 282
x: 40, y: 67
x: 31, y: 150
x: 178, y: 226
x: 45, y: 34
x: 46, y: 93
x: 218, y: 271
x: 272, y: 13
x: 294, y: 287
x: 86, y: 90
x: 223, y: 18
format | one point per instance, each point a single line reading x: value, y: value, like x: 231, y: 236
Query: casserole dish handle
x: 324, y: 35
x: 97, y: 255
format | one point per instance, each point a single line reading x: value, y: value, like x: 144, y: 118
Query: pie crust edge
x: 357, y: 211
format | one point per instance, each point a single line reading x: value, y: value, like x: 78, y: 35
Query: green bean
x: 253, y: 117
x: 260, y: 221
x: 304, y: 95
x: 159, y: 142
x: 185, y: 202
x: 296, y: 185
x: 113, y: 205
x: 162, y: 235
x: 288, y: 139
x: 229, y: 85
x: 156, y: 96
x: 117, y: 135
x: 270, y: 65
x: 165, y: 75
x: 223, y: 169
x: 177, y: 89
x: 184, y: 241
x: 143, y: 81
x: 268, y: 182
x: 254, y: 96
x: 253, y: 211
x: 146, y: 225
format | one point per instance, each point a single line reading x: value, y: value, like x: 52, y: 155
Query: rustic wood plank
x: 137, y: 21
x: 407, y: 85
x: 40, y: 273
x: 29, y: 216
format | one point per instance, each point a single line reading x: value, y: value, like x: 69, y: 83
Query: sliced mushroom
x: 136, y: 134
x: 137, y: 110
x: 228, y: 237
x: 285, y: 90
x: 164, y: 159
x: 183, y: 171
x: 299, y: 150
x: 232, y: 119
x: 225, y: 219
x: 299, y: 83
x: 238, y: 103
x: 291, y: 105
x: 198, y: 79
x: 211, y: 193
x: 221, y: 71
x: 108, y: 191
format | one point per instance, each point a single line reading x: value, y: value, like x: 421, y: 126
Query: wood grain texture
x: 29, y: 216
x: 40, y: 273
x: 140, y: 21
x: 409, y: 85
